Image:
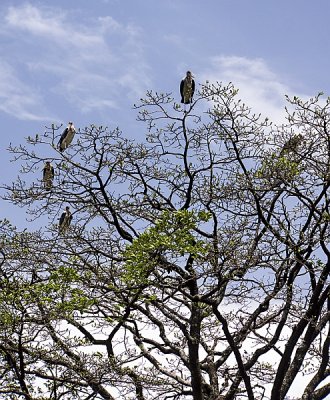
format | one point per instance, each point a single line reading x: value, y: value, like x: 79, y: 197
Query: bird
x: 48, y: 175
x: 66, y: 137
x: 187, y: 88
x: 291, y: 145
x: 65, y: 220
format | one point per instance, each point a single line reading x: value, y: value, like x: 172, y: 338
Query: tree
x: 196, y: 265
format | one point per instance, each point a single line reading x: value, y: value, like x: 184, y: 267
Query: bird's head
x: 189, y: 75
x: 70, y: 125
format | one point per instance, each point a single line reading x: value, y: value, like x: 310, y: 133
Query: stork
x: 187, y: 88
x: 66, y: 137
x: 291, y: 145
x: 48, y: 175
x: 65, y: 220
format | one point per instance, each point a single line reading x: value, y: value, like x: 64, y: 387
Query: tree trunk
x: 196, y: 377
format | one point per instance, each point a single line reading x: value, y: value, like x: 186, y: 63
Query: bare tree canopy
x: 196, y: 265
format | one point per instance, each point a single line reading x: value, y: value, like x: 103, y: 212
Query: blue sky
x: 90, y: 60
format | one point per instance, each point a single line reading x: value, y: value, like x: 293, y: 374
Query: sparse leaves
x: 197, y: 265
x: 171, y: 234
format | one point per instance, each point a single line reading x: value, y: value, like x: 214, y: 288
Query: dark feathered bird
x: 66, y: 137
x: 65, y: 220
x: 187, y: 88
x: 291, y: 146
x: 48, y: 175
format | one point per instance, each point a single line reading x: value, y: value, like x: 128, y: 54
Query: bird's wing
x: 62, y: 219
x: 181, y: 87
x: 65, y: 132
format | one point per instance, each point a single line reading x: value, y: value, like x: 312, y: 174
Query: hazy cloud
x: 17, y: 98
x: 259, y: 87
x: 52, y: 25
x: 90, y: 65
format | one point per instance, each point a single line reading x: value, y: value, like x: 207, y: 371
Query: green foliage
x: 278, y: 167
x: 289, y: 167
x: 62, y: 287
x: 172, y: 233
x: 60, y: 291
x: 326, y: 217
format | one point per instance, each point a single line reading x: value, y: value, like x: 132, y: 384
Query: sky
x: 89, y: 61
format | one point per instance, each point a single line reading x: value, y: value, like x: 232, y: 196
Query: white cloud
x: 17, y: 98
x: 259, y: 87
x: 88, y: 65
x: 53, y: 25
x: 33, y: 20
x: 109, y: 23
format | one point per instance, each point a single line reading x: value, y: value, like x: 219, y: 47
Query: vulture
x: 187, y: 88
x: 291, y: 146
x: 48, y: 175
x: 65, y: 220
x: 66, y: 137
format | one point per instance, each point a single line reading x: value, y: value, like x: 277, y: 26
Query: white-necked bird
x: 65, y: 220
x: 66, y: 137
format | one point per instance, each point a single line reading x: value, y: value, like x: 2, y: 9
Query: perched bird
x: 66, y: 137
x: 187, y: 88
x: 65, y: 220
x: 292, y: 144
x: 48, y: 175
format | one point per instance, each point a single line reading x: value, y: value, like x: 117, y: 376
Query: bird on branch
x: 48, y: 175
x: 66, y: 137
x: 187, y: 88
x: 291, y: 145
x: 65, y: 220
